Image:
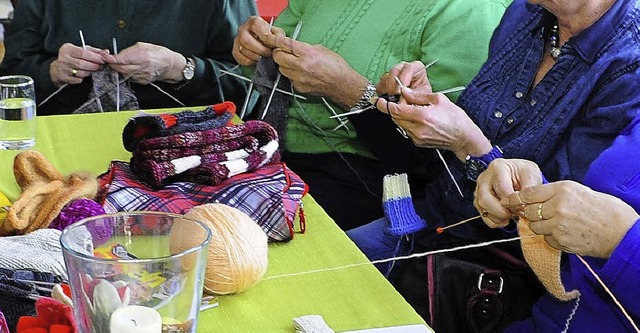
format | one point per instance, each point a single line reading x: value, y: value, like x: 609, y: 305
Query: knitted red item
x: 52, y: 317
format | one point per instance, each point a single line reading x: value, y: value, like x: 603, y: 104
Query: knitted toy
x: 104, y: 95
x: 544, y: 261
x: 44, y: 193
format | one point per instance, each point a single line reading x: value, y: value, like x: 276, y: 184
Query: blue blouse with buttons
x: 563, y: 123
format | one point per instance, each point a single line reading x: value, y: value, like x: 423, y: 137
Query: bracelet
x: 364, y: 102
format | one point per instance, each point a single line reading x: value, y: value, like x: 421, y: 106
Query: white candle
x: 136, y: 319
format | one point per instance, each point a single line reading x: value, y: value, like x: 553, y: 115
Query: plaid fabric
x: 270, y: 195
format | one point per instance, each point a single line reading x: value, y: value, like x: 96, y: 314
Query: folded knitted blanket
x: 207, y: 156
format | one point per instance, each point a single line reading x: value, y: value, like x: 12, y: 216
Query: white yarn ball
x: 238, y: 251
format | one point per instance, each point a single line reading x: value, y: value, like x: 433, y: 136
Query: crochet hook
x: 246, y: 99
x: 440, y: 230
x: 275, y: 85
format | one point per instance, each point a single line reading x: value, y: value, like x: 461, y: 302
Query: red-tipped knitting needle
x: 440, y: 230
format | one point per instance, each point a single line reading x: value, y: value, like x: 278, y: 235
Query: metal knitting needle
x: 449, y: 172
x: 440, y: 230
x: 444, y: 162
x: 275, y: 85
x: 429, y: 64
x: 115, y: 52
x: 249, y: 80
x: 246, y: 99
x: 341, y: 123
x: 353, y: 112
x: 451, y: 90
x: 84, y: 46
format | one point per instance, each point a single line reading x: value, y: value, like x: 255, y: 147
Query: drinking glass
x: 136, y: 272
x: 17, y: 112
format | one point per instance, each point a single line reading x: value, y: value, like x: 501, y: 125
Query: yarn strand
x: 615, y: 300
x: 411, y: 256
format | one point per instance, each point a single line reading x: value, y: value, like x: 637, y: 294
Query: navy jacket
x: 616, y: 171
x: 563, y: 123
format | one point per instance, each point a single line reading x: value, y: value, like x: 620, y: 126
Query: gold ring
x: 484, y: 213
x: 74, y: 72
x: 240, y: 48
x: 540, y: 217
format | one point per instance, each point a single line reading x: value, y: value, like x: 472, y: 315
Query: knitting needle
x: 246, y: 99
x: 275, y: 85
x: 249, y: 80
x: 84, y: 46
x: 115, y: 52
x: 449, y: 172
x: 440, y: 230
x: 341, y: 123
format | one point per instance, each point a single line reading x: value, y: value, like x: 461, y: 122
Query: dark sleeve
x: 209, y: 83
x: 25, y: 52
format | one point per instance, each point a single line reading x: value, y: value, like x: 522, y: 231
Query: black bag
x: 474, y: 290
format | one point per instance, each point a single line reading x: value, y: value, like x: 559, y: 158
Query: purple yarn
x: 75, y: 211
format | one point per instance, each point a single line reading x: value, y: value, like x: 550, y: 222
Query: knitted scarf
x: 198, y: 148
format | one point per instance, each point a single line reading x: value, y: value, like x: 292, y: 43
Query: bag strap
x: 484, y: 310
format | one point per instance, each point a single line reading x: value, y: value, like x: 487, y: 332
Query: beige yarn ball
x: 238, y: 250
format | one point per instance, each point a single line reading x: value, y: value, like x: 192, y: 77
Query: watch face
x: 474, y: 168
x: 188, y: 73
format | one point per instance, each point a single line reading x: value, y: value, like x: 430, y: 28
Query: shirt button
x: 533, y: 102
x: 122, y: 24
x: 519, y: 94
x: 497, y: 114
x: 509, y: 120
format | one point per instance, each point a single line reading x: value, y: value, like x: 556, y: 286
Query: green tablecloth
x: 348, y: 299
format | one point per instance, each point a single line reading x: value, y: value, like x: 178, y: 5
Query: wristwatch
x: 476, y: 165
x: 189, y: 70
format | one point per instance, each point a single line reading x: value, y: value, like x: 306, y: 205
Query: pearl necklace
x: 554, y: 40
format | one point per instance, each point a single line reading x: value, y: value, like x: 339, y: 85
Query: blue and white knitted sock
x: 398, y: 206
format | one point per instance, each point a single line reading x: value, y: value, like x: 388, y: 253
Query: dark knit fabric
x: 104, y: 95
x: 264, y: 78
x: 207, y: 156
x: 15, y: 294
x: 151, y: 126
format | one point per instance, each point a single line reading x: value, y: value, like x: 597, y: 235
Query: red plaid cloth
x: 270, y: 195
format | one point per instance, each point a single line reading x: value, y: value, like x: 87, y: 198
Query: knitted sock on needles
x: 398, y: 207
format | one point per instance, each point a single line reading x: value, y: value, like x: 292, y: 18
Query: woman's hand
x: 433, y: 121
x: 74, y: 63
x: 255, y: 40
x: 144, y: 63
x: 573, y: 218
x: 502, y: 178
x: 411, y: 74
x: 316, y: 70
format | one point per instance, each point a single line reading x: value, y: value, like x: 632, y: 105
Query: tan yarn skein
x: 544, y: 261
x: 238, y: 250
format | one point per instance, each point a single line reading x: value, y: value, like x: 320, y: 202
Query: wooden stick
x: 440, y: 230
